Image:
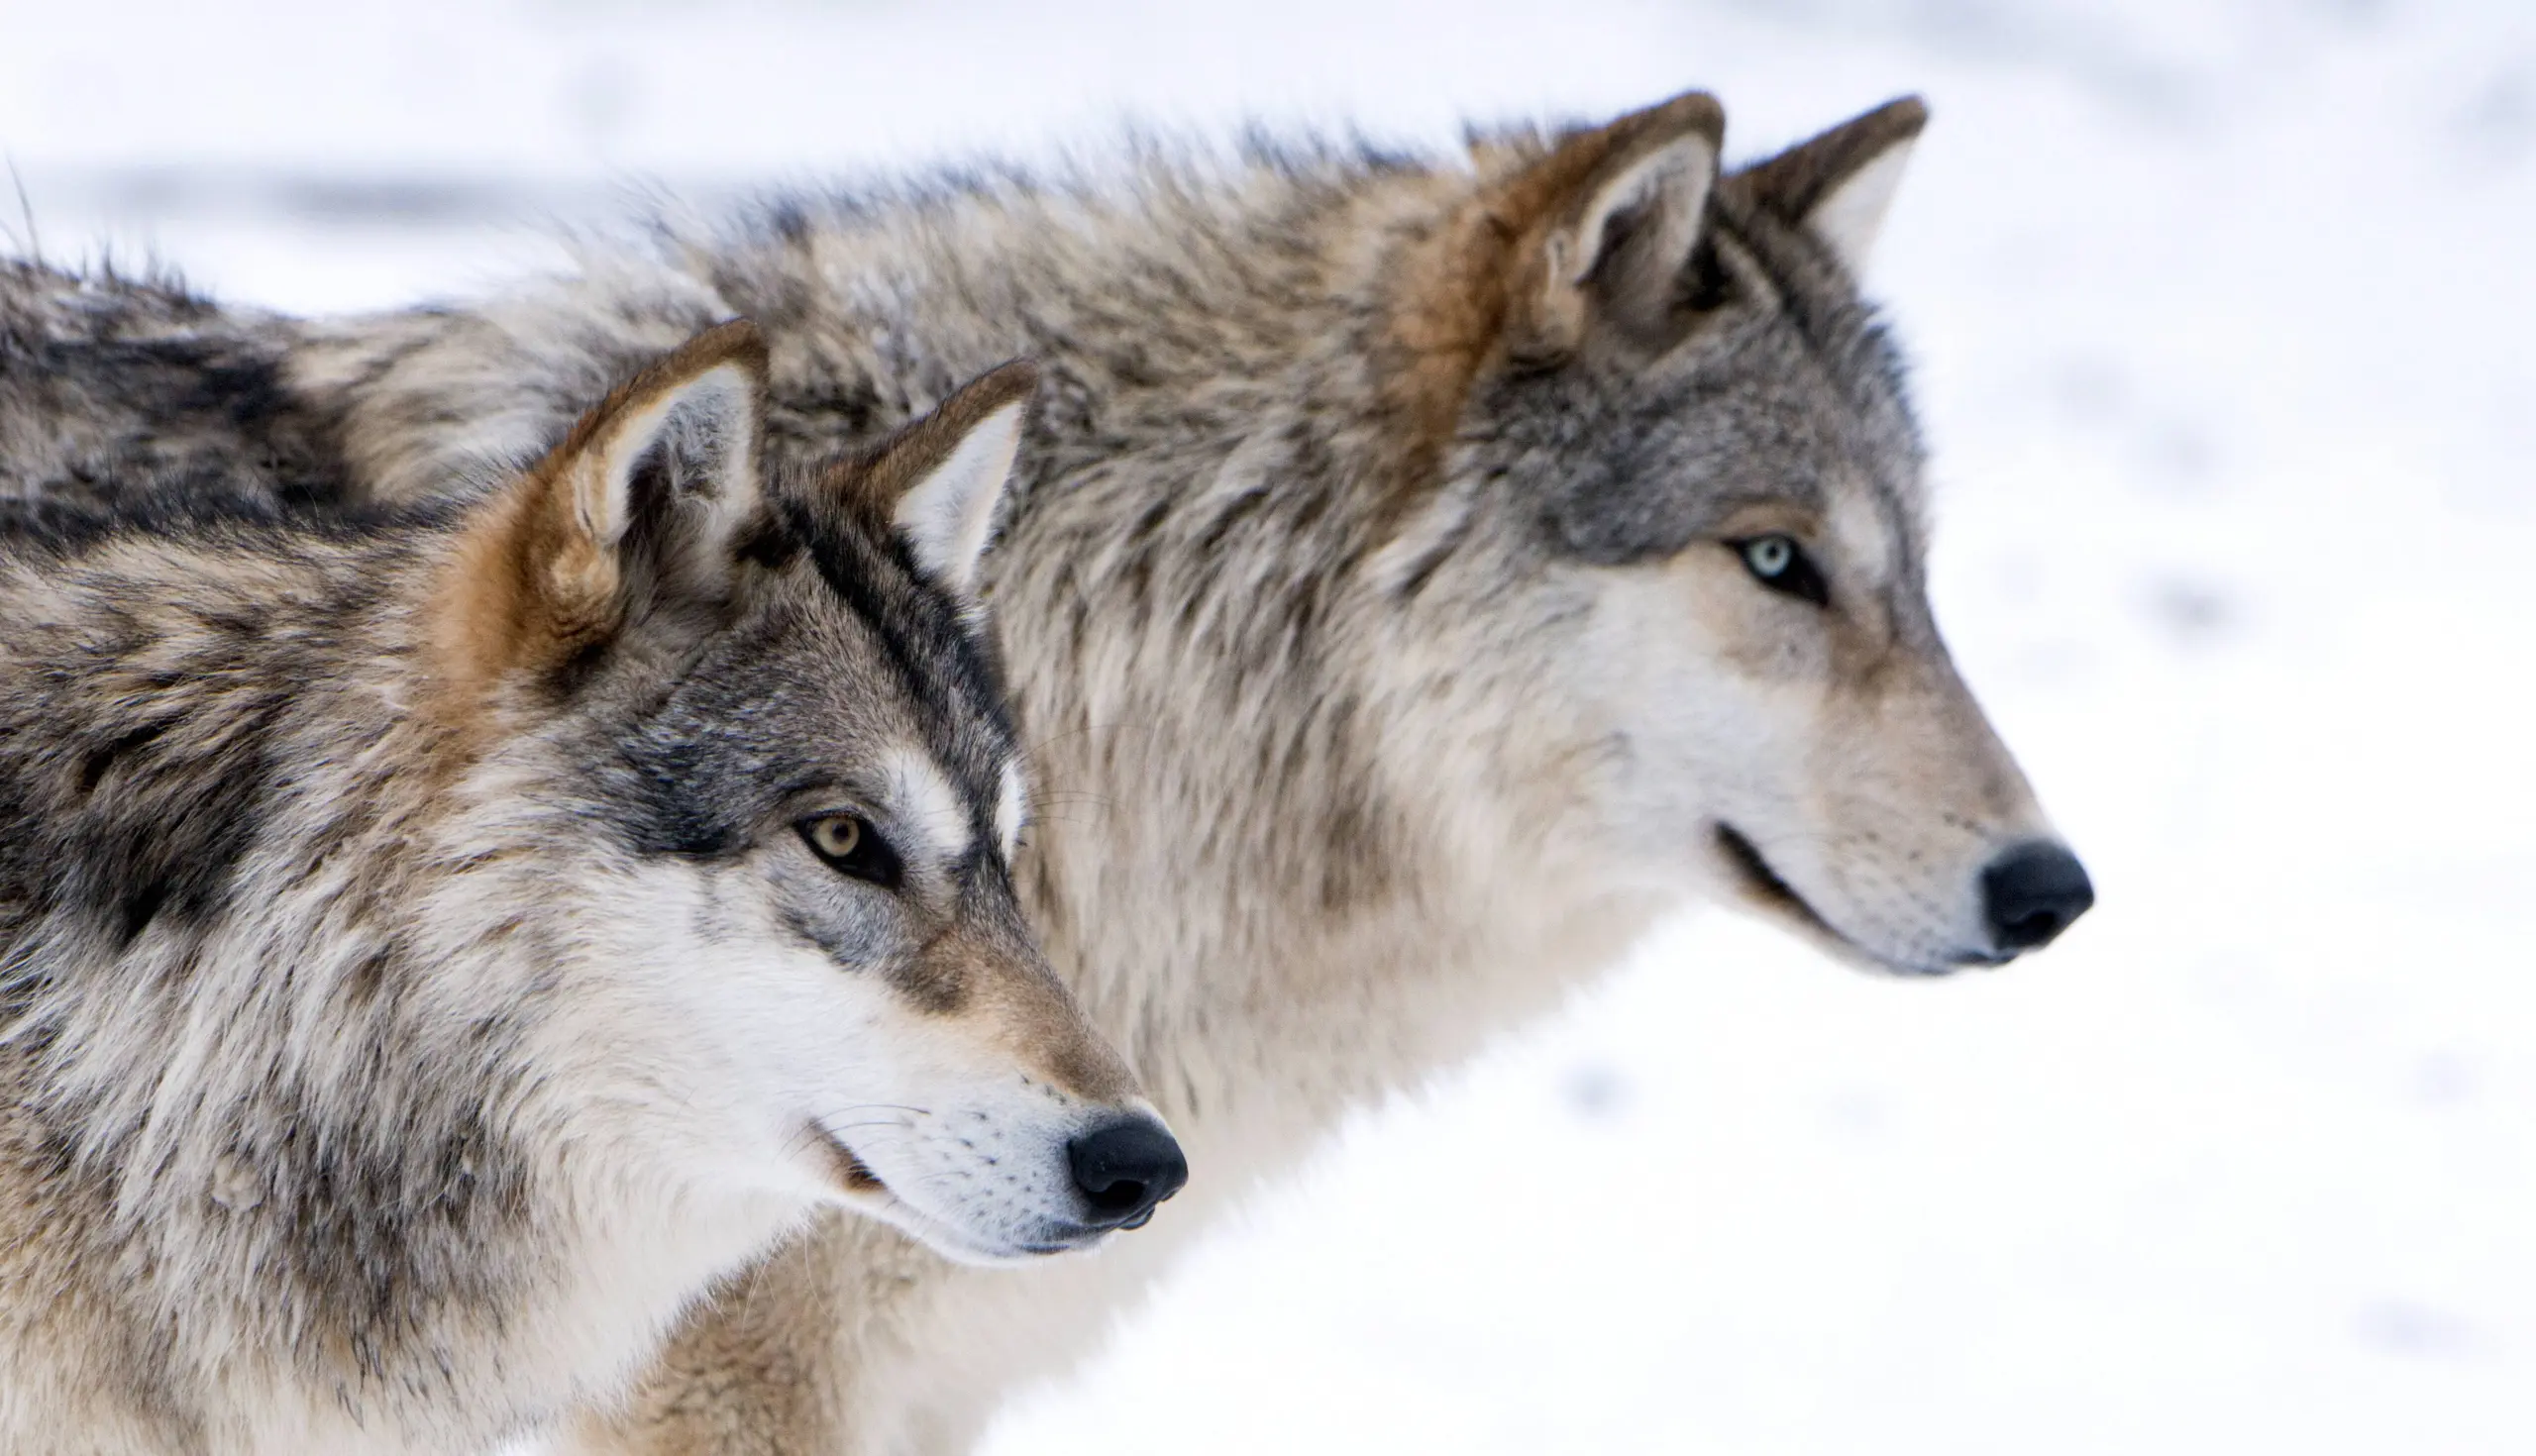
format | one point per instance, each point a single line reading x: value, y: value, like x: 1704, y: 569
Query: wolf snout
x: 1125, y: 1169
x: 2032, y: 893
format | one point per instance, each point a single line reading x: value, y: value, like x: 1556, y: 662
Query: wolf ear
x: 643, y: 505
x: 672, y: 458
x: 1839, y: 185
x: 939, y: 480
x: 1622, y: 206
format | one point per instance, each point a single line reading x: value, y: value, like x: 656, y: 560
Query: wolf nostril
x: 1125, y: 1168
x: 2032, y: 893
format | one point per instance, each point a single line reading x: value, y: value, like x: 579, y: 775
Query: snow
x: 2221, y: 317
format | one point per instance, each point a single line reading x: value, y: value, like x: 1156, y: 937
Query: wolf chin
x: 434, y: 949
x: 1421, y: 577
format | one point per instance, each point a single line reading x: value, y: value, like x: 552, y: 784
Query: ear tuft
x: 940, y: 480
x: 1840, y: 185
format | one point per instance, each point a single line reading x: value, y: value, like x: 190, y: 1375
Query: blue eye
x: 1779, y: 564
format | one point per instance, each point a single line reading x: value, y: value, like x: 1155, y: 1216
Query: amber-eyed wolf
x: 434, y: 948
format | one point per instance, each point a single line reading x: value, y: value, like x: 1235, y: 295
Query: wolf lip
x: 1763, y: 883
x: 850, y: 1171
x: 1765, y: 887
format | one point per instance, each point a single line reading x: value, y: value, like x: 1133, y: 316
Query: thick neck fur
x: 1290, y: 849
x: 1294, y: 846
x: 272, y: 1173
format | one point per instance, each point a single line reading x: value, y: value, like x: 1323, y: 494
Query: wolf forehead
x: 848, y: 666
x: 1781, y: 387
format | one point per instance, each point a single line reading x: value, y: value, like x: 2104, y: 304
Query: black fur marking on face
x: 696, y: 773
x: 944, y: 668
x: 670, y: 799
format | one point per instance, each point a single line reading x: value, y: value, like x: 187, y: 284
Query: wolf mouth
x: 1764, y: 887
x: 852, y: 1172
x: 1763, y: 883
x: 856, y: 1177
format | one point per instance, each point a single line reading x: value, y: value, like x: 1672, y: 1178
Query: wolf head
x: 1693, y: 440
x: 745, y: 732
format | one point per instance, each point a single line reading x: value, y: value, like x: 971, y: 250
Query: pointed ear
x: 643, y: 505
x: 1839, y: 184
x: 1617, y: 213
x: 939, y: 480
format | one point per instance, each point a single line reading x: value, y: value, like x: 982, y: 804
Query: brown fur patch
x: 527, y: 586
x: 1446, y: 319
x: 1478, y: 290
x: 1551, y: 197
x: 1040, y: 1025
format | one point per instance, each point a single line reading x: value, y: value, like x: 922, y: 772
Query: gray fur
x: 1375, y: 617
x: 111, y: 385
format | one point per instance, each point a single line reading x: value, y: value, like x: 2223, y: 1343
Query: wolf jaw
x: 862, y: 1190
x: 1750, y: 879
x: 1762, y: 888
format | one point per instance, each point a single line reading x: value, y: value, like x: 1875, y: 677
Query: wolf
x: 435, y: 947
x: 1423, y: 573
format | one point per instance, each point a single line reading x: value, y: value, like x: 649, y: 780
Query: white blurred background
x: 2222, y: 311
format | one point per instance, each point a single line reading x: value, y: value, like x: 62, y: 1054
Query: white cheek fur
x: 1011, y: 808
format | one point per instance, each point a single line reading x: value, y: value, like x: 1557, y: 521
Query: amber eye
x: 851, y: 846
x: 1779, y: 564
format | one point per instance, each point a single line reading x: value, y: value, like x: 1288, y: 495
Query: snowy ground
x: 2223, y: 314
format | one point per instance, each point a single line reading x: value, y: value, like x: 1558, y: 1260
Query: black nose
x: 2032, y: 893
x: 1125, y: 1168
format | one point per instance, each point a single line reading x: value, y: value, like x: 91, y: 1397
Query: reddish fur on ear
x: 536, y: 575
x: 1548, y: 202
x: 1480, y: 287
